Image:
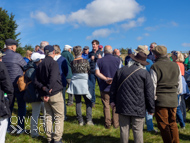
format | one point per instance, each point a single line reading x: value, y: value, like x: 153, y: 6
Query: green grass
x: 73, y: 133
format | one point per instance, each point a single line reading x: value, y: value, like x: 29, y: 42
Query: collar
x: 165, y: 58
x: 107, y: 54
x: 57, y: 57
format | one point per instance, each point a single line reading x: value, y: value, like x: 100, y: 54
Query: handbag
x: 128, y: 77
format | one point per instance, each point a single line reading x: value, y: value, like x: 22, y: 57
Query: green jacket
x: 69, y: 57
x: 167, y: 82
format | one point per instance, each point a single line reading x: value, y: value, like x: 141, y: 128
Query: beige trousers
x: 106, y: 102
x: 137, y: 127
x: 54, y: 114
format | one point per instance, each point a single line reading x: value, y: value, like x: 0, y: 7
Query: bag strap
x: 127, y: 78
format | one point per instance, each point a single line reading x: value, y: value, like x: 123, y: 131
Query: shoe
x: 153, y: 131
x: 183, y: 128
x: 20, y: 132
x: 34, y: 136
x: 69, y: 104
x: 60, y: 141
x: 90, y: 123
x: 81, y: 124
x: 52, y: 141
x: 107, y: 126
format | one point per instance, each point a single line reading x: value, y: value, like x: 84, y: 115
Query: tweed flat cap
x: 159, y: 50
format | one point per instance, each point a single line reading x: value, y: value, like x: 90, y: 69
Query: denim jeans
x: 92, y: 78
x: 179, y: 115
x: 65, y: 108
x: 149, y: 122
x: 21, y: 107
x: 183, y: 107
x: 36, y: 107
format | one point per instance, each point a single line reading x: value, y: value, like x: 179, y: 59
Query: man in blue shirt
x: 85, y: 52
x: 151, y: 55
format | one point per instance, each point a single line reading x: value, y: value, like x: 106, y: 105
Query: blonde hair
x: 28, y: 54
x: 180, y: 57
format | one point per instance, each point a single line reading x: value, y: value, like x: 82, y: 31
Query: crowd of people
x: 150, y: 83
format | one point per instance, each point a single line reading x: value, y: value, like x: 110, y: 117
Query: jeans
x: 166, y: 119
x: 92, y: 78
x: 183, y: 107
x: 65, y: 108
x: 149, y: 123
x: 70, y: 96
x: 36, y: 107
x: 21, y: 107
x: 179, y: 114
x: 88, y: 108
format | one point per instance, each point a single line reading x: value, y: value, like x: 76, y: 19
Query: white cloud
x: 168, y: 25
x: 146, y: 34
x: 139, y: 38
x: 152, y: 28
x: 174, y: 24
x: 185, y: 44
x: 132, y: 24
x: 100, y: 33
x: 45, y: 19
x: 105, y: 12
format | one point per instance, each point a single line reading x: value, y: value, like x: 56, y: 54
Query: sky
x: 119, y: 23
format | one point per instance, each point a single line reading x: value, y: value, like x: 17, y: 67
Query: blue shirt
x: 85, y: 56
x: 150, y: 64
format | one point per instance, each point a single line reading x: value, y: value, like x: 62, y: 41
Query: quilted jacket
x: 14, y: 63
x: 135, y: 95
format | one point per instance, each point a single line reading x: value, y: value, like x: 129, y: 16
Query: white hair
x: 132, y: 62
x: 67, y: 47
x: 43, y: 44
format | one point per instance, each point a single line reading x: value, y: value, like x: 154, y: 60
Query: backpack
x: 23, y: 82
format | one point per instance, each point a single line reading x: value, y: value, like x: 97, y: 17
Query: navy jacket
x: 63, y: 69
x: 31, y: 90
x: 127, y: 59
x: 93, y: 63
x: 47, y: 74
x: 108, y: 65
x: 14, y: 63
x: 5, y: 87
x: 151, y: 56
x: 135, y: 95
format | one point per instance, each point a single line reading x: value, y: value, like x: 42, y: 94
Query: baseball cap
x: 37, y: 56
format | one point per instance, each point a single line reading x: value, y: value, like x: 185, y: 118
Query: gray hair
x: 77, y: 50
x: 49, y: 53
x: 108, y: 49
x: 154, y: 44
x: 43, y: 44
x: 132, y: 62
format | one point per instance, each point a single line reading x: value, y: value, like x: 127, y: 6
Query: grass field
x: 73, y: 133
